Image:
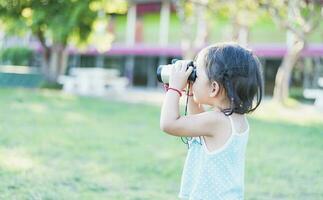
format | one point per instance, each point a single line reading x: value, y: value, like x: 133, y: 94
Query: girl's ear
x: 215, y: 89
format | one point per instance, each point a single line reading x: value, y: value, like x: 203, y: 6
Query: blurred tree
x: 192, y: 16
x: 299, y: 18
x: 55, y: 24
x: 242, y: 14
x: 195, y: 15
x: 16, y: 56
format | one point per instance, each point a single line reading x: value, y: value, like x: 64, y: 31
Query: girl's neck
x: 220, y: 105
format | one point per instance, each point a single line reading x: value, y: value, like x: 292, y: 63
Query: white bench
x: 93, y: 81
x: 316, y: 94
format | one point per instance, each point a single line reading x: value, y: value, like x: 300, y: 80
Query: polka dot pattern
x: 215, y: 175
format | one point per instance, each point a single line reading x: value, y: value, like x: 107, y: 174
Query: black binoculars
x: 163, y: 72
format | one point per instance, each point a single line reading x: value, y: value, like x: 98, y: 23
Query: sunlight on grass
x: 102, y: 176
x: 300, y: 114
x: 55, y: 94
x: 36, y: 107
x: 15, y: 160
x: 292, y: 103
x: 74, y: 117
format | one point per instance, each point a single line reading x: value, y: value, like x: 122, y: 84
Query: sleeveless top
x: 216, y: 175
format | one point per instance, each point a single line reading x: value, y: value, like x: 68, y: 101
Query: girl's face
x: 202, y: 85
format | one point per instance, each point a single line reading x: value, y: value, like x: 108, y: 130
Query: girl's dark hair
x: 238, y: 71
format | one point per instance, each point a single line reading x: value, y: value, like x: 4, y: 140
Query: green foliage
x: 57, y: 20
x: 16, y: 56
x: 56, y: 24
x: 243, y: 12
x: 299, y: 17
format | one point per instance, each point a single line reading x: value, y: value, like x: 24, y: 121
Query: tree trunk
x: 235, y: 29
x: 45, y: 63
x: 54, y: 62
x: 240, y: 32
x: 192, y: 40
x: 243, y: 37
x: 202, y: 26
x: 59, y: 58
x: 281, y: 90
x: 187, y: 45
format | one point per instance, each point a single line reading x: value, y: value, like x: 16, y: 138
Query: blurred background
x: 80, y: 101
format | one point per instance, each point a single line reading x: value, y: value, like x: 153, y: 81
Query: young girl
x: 229, y: 80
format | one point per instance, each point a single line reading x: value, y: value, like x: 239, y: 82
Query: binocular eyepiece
x: 163, y: 72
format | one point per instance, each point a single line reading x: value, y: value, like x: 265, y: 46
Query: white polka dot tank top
x: 216, y: 175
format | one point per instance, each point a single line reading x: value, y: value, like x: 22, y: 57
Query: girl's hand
x: 179, y: 74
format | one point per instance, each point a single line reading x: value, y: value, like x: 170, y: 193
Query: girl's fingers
x: 178, y: 66
x: 183, y: 69
x: 185, y: 64
x: 175, y: 67
x: 188, y: 71
x: 181, y: 66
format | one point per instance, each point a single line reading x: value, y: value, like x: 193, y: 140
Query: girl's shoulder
x: 218, y: 120
x: 237, y: 123
x: 216, y: 115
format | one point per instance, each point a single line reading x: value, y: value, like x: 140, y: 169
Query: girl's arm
x: 170, y: 120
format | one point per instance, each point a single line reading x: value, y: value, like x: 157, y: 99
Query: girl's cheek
x: 194, y: 87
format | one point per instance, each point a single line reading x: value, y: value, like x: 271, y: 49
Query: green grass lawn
x: 56, y: 146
